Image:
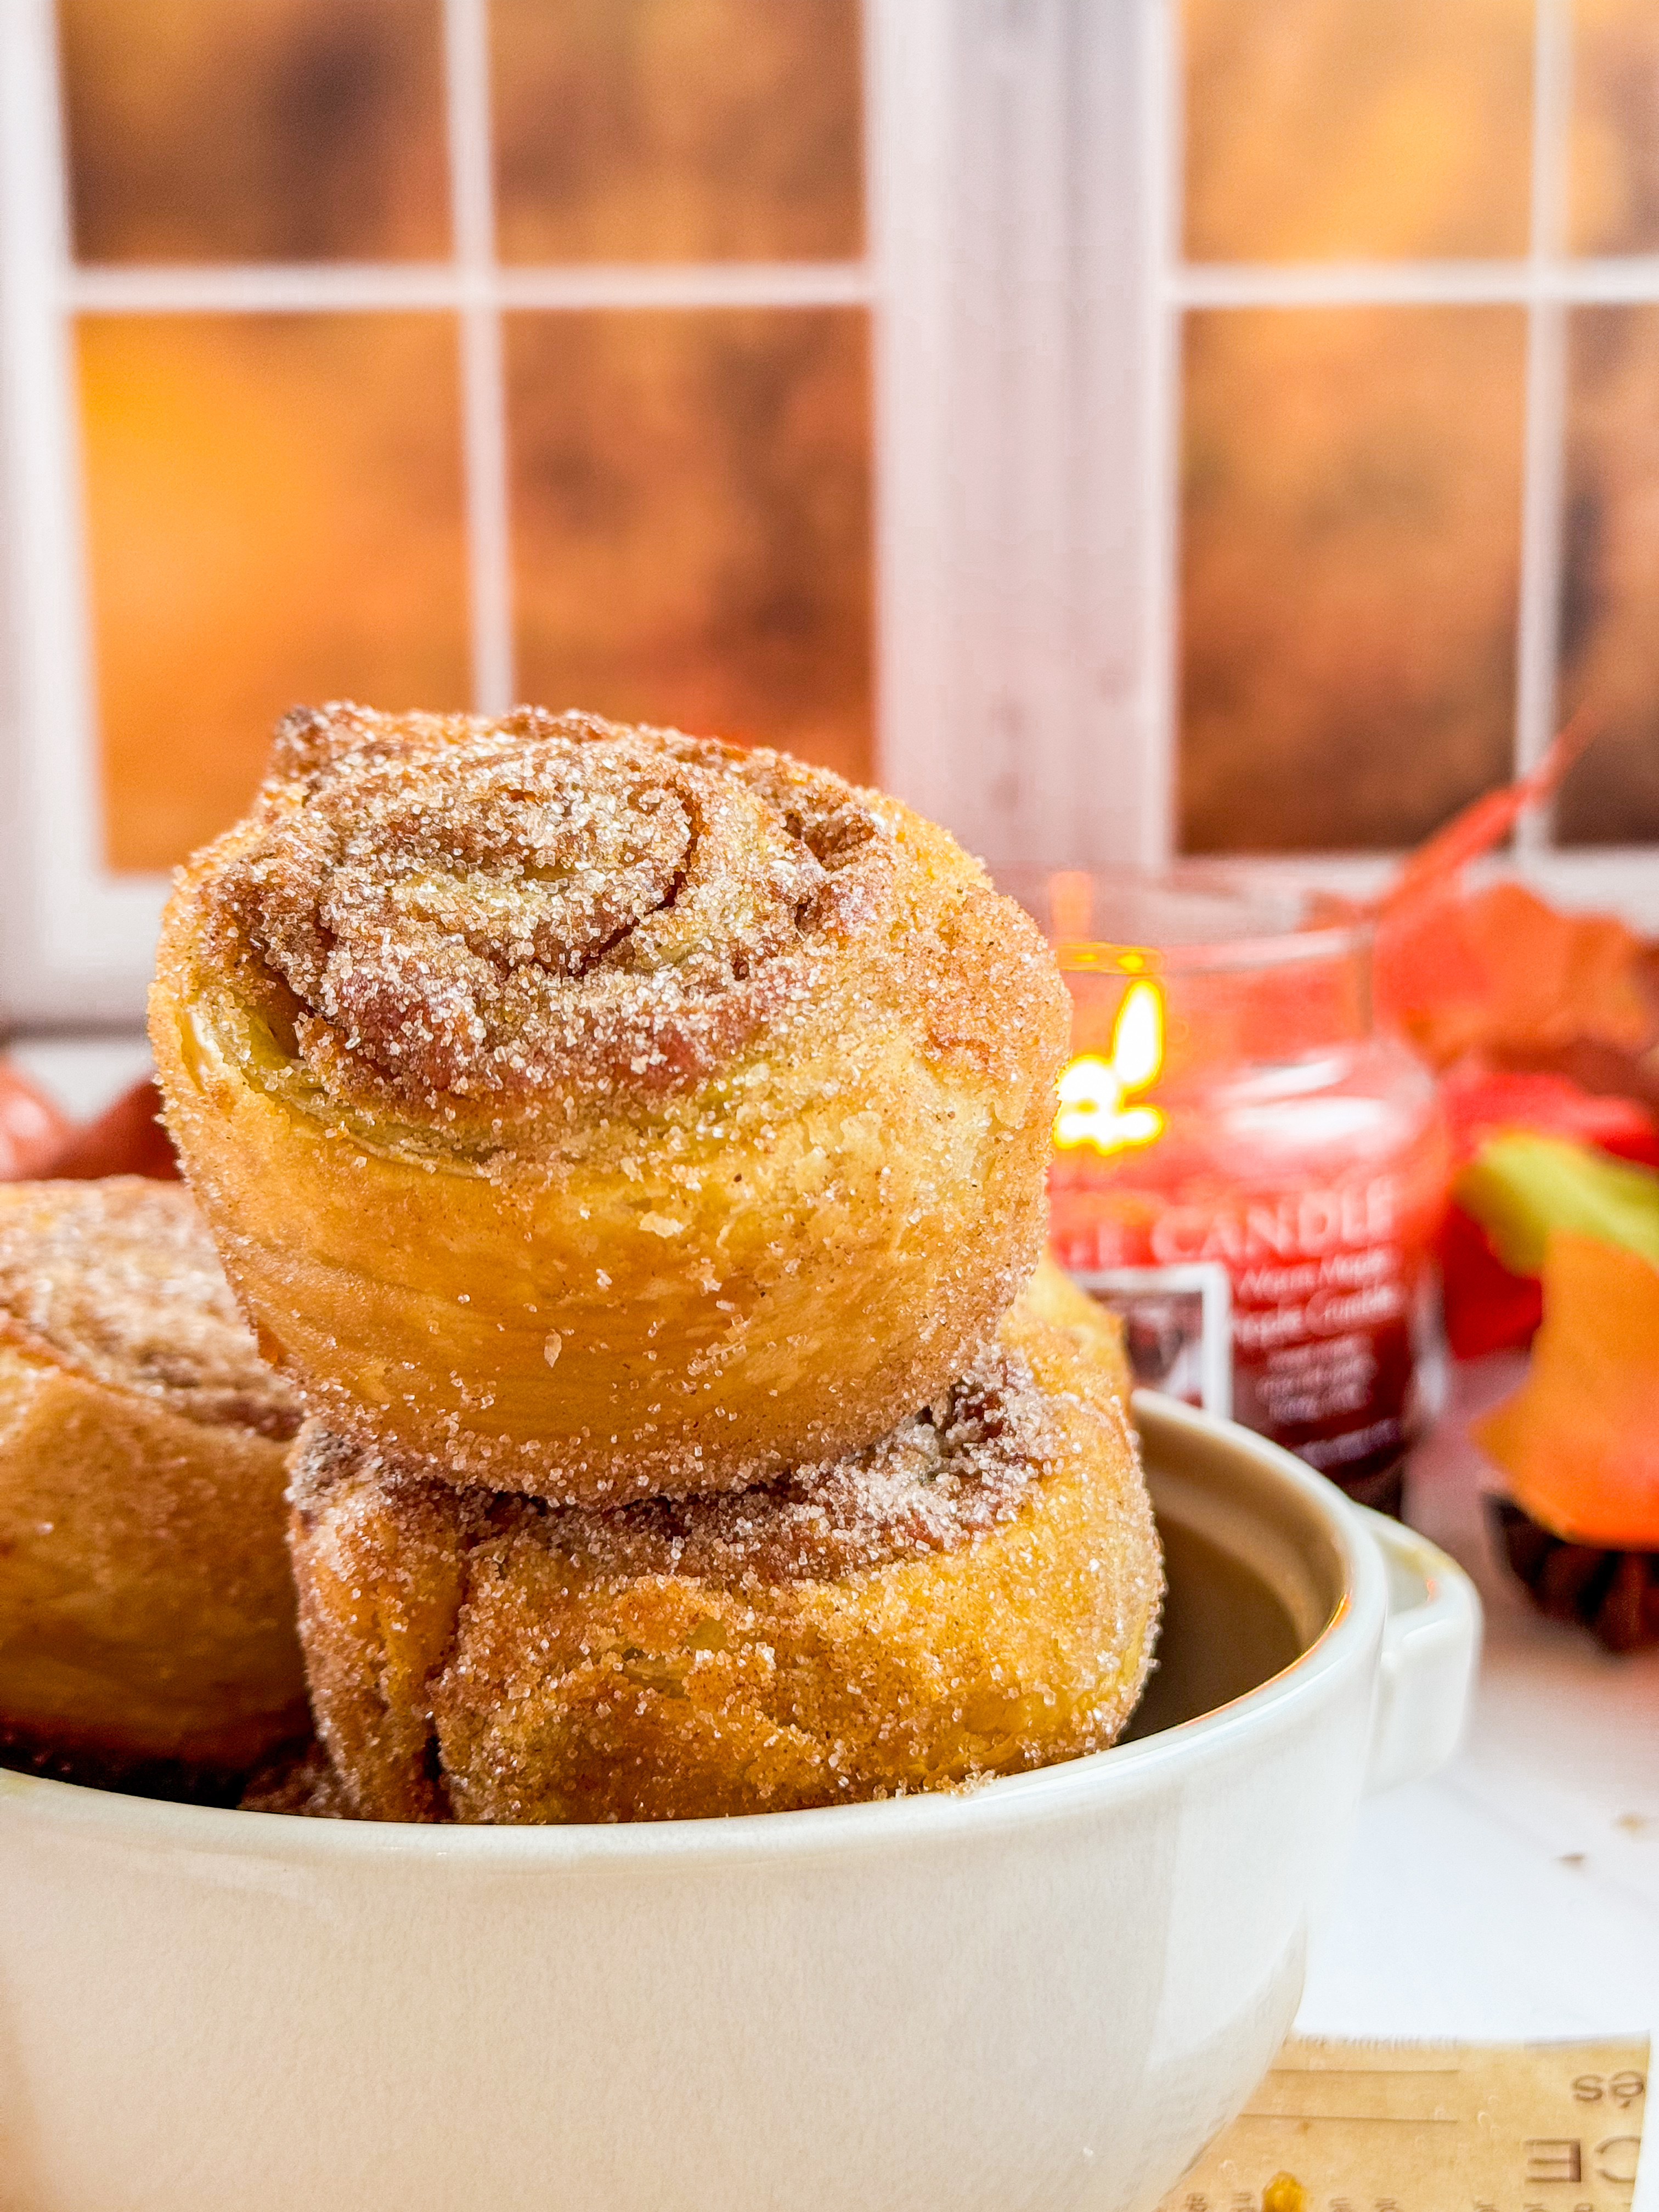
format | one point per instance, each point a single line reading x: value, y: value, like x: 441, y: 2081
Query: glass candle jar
x: 1242, y: 1165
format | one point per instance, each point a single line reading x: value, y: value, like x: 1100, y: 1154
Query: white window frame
x: 1025, y: 274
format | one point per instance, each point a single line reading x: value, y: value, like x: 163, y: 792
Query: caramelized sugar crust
x: 599, y: 1112
x: 977, y: 1593
x: 146, y: 1605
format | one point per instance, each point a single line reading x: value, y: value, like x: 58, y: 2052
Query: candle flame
x: 1094, y: 1093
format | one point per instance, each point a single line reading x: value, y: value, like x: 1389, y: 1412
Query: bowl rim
x: 1077, y: 1786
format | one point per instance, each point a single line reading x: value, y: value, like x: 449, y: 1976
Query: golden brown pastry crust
x: 146, y: 1606
x: 1051, y: 1296
x: 604, y: 1111
x: 975, y: 1596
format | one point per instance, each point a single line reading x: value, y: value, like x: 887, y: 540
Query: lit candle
x: 1244, y: 1169
x: 1094, y: 1092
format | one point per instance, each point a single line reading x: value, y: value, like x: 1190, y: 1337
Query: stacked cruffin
x: 147, y: 1630
x: 632, y: 1148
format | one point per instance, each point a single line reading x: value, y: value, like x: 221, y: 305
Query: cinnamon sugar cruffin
x: 599, y: 1111
x: 977, y: 1593
x: 146, y: 1606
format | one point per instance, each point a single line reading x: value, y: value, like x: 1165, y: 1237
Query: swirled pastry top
x: 452, y: 917
x: 119, y: 1281
x: 932, y: 1485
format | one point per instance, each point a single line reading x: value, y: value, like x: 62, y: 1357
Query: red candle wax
x: 1273, y: 1167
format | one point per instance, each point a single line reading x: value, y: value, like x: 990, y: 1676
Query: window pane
x: 1615, y: 127
x: 1610, y: 600
x: 275, y: 130
x: 1352, y: 521
x: 678, y: 130
x: 275, y: 514
x: 691, y: 521
x: 1322, y: 129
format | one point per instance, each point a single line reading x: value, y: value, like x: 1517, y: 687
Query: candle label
x: 1297, y: 1226
x: 1329, y: 1294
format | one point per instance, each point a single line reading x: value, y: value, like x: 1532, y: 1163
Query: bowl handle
x: 1430, y: 1645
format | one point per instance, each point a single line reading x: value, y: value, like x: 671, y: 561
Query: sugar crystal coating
x: 119, y: 1279
x: 433, y: 906
x: 929, y: 1485
x: 976, y: 1595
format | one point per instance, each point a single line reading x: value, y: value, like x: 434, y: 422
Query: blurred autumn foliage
x: 1501, y: 973
x: 1351, y: 524
x: 678, y: 130
x: 1610, y: 625
x: 273, y: 515
x: 275, y: 504
x: 1320, y: 130
x: 1579, y: 1441
x: 1351, y: 485
x: 271, y: 131
x: 691, y: 521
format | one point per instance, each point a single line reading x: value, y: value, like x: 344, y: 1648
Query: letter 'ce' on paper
x: 1431, y: 2127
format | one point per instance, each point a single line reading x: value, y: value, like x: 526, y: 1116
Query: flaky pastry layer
x: 977, y: 1594
x: 601, y: 1111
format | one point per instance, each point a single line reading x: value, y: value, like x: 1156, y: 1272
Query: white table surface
x: 1515, y: 1896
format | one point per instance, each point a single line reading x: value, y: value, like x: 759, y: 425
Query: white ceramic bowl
x: 1046, y: 1993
